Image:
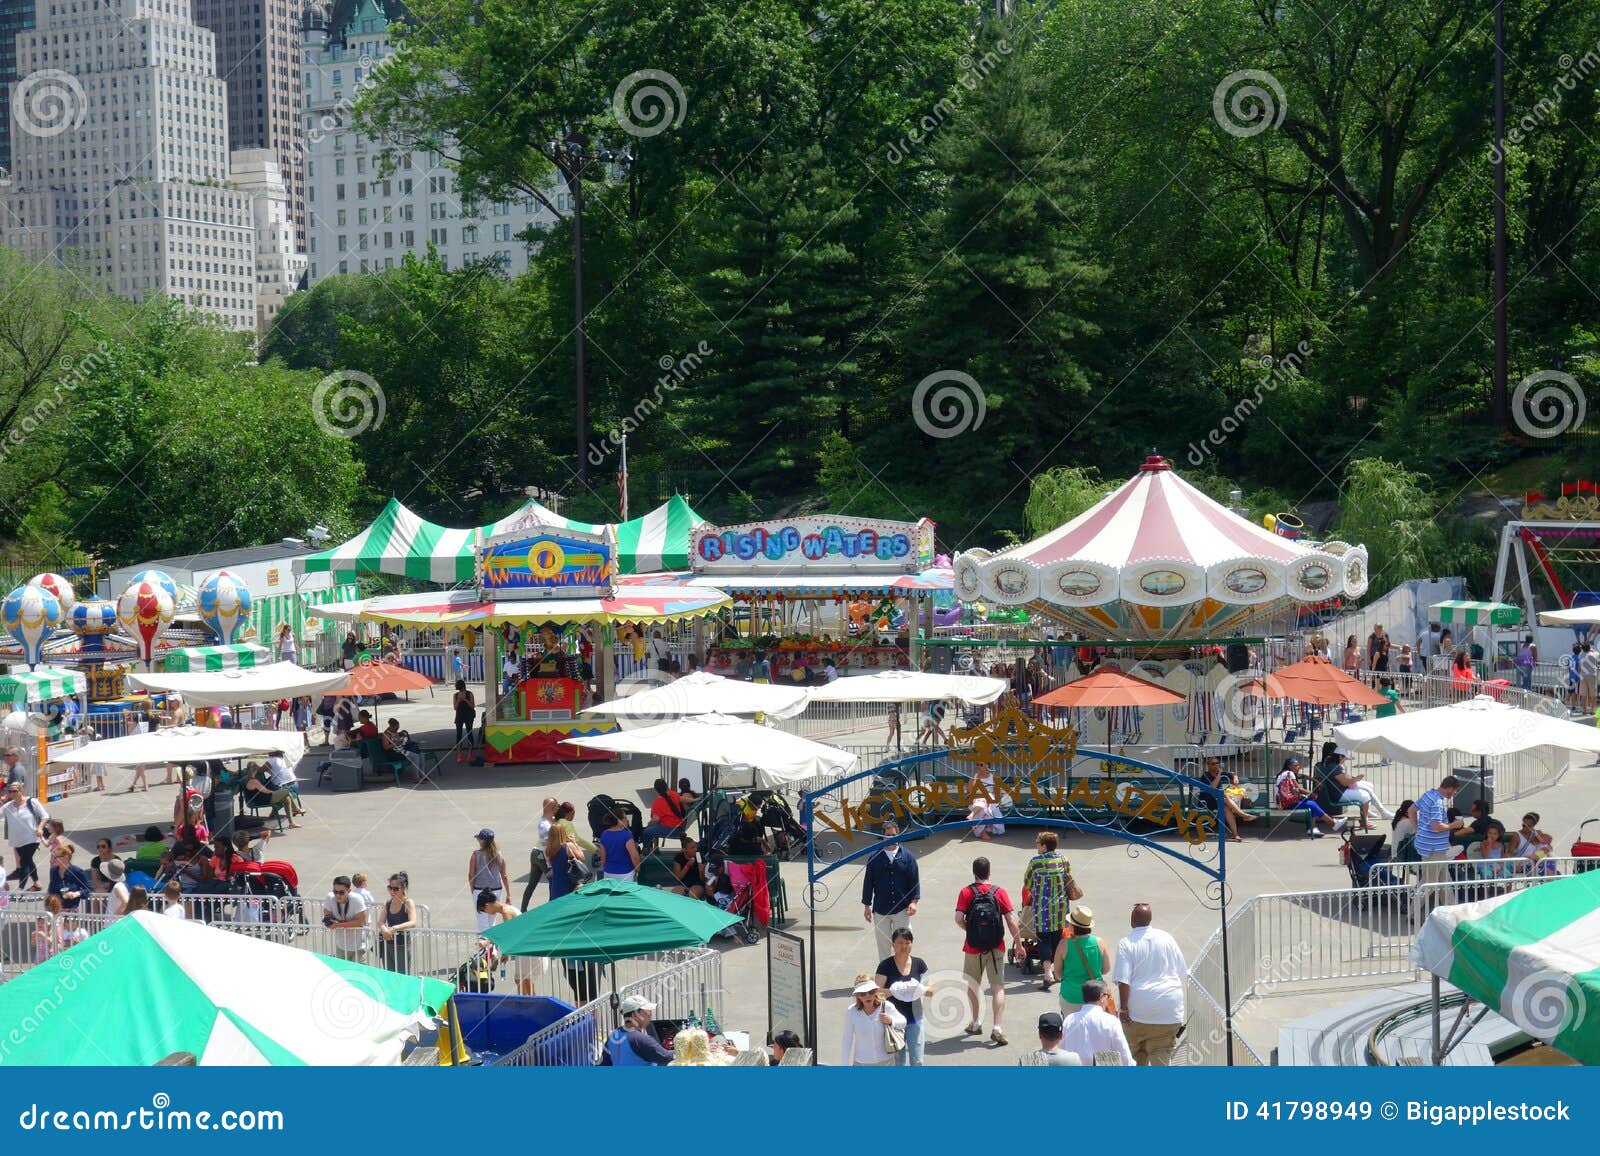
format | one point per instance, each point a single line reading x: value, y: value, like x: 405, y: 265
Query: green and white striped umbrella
x: 657, y: 541
x: 1533, y: 955
x: 30, y: 686
x: 148, y: 986
x: 233, y: 656
x: 1476, y: 613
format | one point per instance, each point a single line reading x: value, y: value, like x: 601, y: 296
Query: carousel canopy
x: 400, y: 541
x: 466, y: 608
x: 1158, y: 557
x: 1532, y: 955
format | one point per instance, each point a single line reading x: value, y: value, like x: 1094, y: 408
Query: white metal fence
x: 1301, y: 941
x: 681, y: 983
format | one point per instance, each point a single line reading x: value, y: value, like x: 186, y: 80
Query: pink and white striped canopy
x: 1158, y: 543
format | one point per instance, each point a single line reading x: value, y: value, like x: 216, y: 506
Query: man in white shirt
x: 1050, y: 1053
x: 1091, y: 1029
x: 24, y: 821
x: 1149, y: 972
x: 660, y: 652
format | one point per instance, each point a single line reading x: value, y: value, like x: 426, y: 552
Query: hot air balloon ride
x: 144, y: 611
x: 30, y: 614
x: 225, y: 605
x: 61, y: 588
x: 158, y: 578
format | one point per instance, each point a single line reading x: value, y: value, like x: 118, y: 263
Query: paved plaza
x: 428, y: 830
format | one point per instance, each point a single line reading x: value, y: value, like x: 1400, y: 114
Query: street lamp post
x: 571, y: 155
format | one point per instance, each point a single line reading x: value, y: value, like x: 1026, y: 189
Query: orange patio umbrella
x: 370, y: 679
x: 1317, y: 681
x: 1108, y: 688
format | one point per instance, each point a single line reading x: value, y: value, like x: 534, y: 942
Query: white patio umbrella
x: 912, y: 686
x: 1578, y: 616
x: 186, y: 745
x: 1480, y: 726
x: 704, y: 693
x: 276, y: 680
x: 779, y: 759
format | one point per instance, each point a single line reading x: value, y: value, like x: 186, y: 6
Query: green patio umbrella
x: 609, y: 920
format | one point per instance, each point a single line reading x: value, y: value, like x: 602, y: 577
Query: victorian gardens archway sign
x: 1036, y: 775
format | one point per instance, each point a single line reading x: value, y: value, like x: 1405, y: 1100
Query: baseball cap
x: 1050, y: 1022
x: 486, y: 834
x: 636, y: 1003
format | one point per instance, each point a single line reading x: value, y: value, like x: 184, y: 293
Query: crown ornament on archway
x: 1016, y: 737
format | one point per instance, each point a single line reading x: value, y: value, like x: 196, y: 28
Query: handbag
x: 1027, y: 923
x: 1074, y: 892
x: 894, y: 1039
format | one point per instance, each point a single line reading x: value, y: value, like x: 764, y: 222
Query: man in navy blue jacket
x: 890, y: 889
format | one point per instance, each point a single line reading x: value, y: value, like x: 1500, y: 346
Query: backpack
x: 986, y: 929
x: 1288, y: 794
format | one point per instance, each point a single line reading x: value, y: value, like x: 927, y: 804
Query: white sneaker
x: 1339, y: 825
x: 1313, y: 832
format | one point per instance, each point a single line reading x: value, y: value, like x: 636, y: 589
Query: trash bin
x: 1476, y: 783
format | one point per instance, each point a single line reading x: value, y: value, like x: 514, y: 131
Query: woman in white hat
x: 865, y: 1025
x: 1081, y: 957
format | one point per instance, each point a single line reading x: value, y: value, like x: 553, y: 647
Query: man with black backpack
x: 984, y: 913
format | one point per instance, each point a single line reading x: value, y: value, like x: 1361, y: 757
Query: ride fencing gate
x: 1026, y: 772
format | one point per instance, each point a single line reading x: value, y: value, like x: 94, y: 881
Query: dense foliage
x: 907, y: 257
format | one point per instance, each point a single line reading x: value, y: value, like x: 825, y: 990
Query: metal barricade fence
x: 680, y: 983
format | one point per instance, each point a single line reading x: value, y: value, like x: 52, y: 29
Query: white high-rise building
x: 279, y: 266
x: 363, y: 219
x: 120, y: 155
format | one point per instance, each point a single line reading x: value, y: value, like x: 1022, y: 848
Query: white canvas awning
x: 276, y: 680
x: 1580, y: 616
x: 703, y: 693
x: 1480, y: 726
x: 778, y: 758
x: 912, y: 686
x: 187, y: 745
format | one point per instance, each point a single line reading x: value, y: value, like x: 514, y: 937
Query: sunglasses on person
x: 395, y: 887
x: 338, y: 894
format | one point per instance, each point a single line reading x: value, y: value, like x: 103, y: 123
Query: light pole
x: 571, y: 155
x: 1500, y: 400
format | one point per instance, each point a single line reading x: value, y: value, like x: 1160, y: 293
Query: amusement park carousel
x: 1162, y: 582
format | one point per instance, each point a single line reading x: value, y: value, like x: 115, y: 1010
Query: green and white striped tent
x: 1533, y: 955
x: 268, y: 614
x: 148, y: 986
x: 400, y: 541
x: 233, y: 656
x: 23, y: 687
x: 1460, y: 613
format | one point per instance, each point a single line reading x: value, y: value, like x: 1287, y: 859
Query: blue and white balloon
x: 225, y: 605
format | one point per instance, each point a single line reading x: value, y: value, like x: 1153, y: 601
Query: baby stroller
x: 1585, y: 849
x: 737, y: 898
x: 602, y: 807
x: 1367, y: 858
x: 789, y: 837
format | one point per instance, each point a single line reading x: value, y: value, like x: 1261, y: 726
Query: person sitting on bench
x: 1291, y: 797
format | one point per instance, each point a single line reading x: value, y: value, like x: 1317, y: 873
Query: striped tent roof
x: 1533, y: 955
x: 1476, y: 613
x: 400, y: 541
x: 23, y: 687
x: 270, y: 613
x: 233, y: 656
